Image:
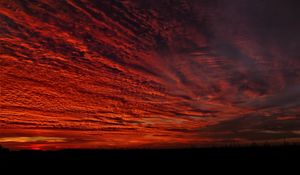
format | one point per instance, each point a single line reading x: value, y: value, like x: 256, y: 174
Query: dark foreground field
x: 251, y: 156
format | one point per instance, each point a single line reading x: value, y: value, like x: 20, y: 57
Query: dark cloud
x: 255, y: 127
x: 286, y: 98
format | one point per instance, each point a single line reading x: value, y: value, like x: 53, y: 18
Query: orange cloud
x: 31, y: 139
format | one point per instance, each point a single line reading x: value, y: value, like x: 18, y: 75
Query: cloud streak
x: 31, y: 139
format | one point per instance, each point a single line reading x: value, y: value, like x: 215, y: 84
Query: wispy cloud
x: 32, y: 139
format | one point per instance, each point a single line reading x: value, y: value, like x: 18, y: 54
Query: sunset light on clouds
x: 148, y: 74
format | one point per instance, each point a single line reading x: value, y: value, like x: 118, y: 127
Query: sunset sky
x: 148, y: 74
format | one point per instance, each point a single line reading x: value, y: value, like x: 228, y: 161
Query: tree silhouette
x: 2, y: 149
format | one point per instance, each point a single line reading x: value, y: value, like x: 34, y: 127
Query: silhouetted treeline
x: 214, y: 159
x: 195, y: 155
x: 3, y: 150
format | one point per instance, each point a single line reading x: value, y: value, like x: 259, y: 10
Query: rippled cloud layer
x: 124, y: 74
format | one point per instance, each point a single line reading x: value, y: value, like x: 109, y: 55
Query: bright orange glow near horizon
x: 145, y: 74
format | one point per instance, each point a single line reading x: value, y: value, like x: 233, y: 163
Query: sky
x: 148, y: 74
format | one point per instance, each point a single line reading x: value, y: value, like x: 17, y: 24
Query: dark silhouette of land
x: 230, y: 155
